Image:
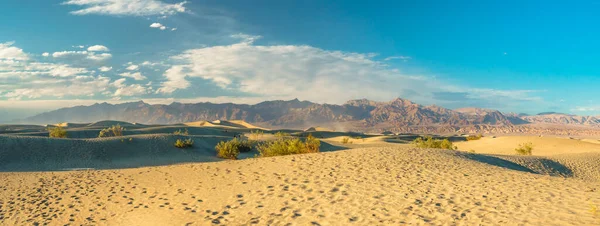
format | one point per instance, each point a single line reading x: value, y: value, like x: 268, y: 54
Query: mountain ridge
x: 357, y: 114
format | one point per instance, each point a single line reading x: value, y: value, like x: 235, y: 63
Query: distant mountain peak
x: 358, y: 114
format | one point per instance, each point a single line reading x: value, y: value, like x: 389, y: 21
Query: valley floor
x: 391, y: 184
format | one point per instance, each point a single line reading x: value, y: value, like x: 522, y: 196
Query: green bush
x: 282, y: 134
x: 474, y: 137
x: 429, y: 142
x: 232, y: 148
x: 524, y: 149
x: 289, y: 146
x: 346, y: 140
x: 179, y: 132
x: 113, y: 131
x: 312, y: 144
x: 184, y: 143
x: 256, y: 134
x: 58, y: 132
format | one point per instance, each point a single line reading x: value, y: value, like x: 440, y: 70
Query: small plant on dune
x: 232, y: 148
x: 524, y: 149
x: 257, y: 134
x: 289, y: 146
x: 179, y: 132
x: 474, y: 137
x: 57, y: 132
x: 429, y: 142
x: 472, y: 151
x: 346, y: 140
x: 184, y: 143
x: 312, y: 144
x: 113, y: 131
x: 282, y: 134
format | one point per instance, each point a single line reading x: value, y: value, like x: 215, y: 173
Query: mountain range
x: 362, y: 115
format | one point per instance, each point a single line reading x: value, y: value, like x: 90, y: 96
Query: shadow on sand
x: 34, y: 153
x: 530, y: 164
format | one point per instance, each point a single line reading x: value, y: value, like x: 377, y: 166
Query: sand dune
x: 222, y: 123
x: 25, y: 153
x: 543, y: 146
x: 372, y: 186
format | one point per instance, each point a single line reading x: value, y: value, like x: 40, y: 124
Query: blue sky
x: 508, y: 55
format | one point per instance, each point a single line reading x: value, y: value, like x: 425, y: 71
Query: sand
x: 542, y: 146
x: 391, y: 184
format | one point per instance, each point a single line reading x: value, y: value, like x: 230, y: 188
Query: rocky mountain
x: 563, y: 119
x: 361, y: 114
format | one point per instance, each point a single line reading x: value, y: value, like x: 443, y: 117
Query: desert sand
x: 370, y: 182
x: 543, y: 146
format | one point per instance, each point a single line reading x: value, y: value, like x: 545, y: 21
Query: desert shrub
x: 474, y: 137
x: 184, y: 143
x: 282, y: 134
x: 232, y: 148
x: 429, y: 142
x: 179, y: 132
x: 312, y: 144
x: 256, y: 134
x: 113, y: 131
x: 345, y: 140
x: 57, y: 132
x: 524, y: 149
x: 289, y: 146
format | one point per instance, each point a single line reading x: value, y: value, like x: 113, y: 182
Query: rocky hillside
x: 292, y: 114
x: 563, y: 119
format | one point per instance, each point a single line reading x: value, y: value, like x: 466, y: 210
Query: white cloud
x: 81, y: 47
x: 46, y: 54
x: 131, y: 90
x: 403, y: 58
x: 98, y: 48
x: 247, y: 39
x: 132, y: 67
x: 9, y: 52
x: 126, y: 7
x: 82, y: 56
x: 32, y: 79
x: 104, y: 68
x: 79, y: 86
x: 175, y: 80
x: 173, y: 29
x: 158, y: 25
x: 136, y: 75
x: 290, y: 71
x: 128, y: 90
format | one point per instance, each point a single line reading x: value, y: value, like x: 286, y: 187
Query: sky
x: 513, y: 56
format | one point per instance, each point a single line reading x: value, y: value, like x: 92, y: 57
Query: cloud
x: 46, y: 54
x: 290, y: 71
x: 128, y: 90
x: 158, y: 25
x: 245, y: 38
x: 30, y: 79
x: 175, y: 80
x: 9, y: 52
x: 104, y: 68
x: 82, y: 58
x: 126, y: 7
x: 403, y: 58
x: 136, y: 75
x: 132, y: 67
x: 98, y: 48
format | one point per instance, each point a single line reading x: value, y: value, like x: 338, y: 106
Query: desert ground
x: 371, y: 179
